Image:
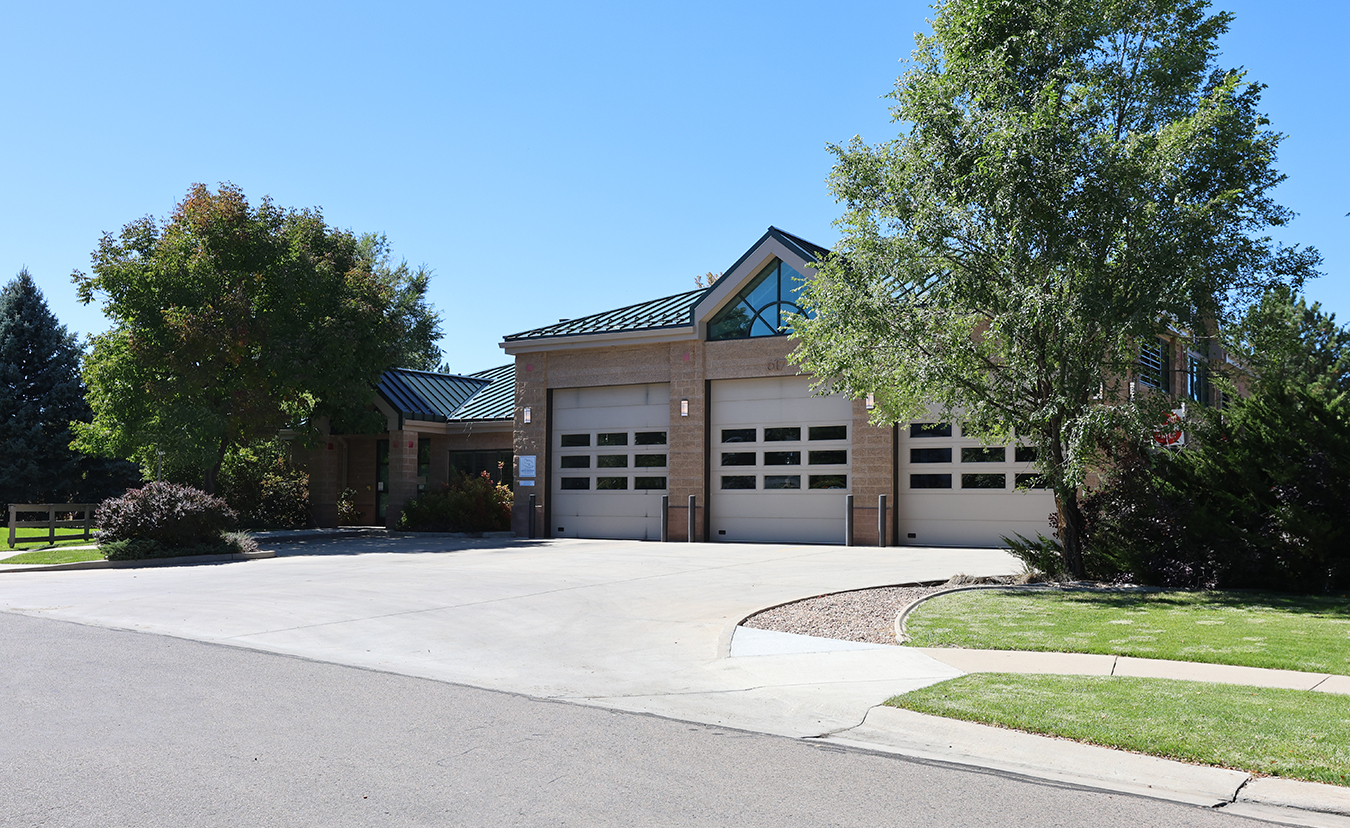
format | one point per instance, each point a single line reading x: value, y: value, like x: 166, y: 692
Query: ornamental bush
x: 170, y: 514
x: 469, y: 504
x: 258, y: 482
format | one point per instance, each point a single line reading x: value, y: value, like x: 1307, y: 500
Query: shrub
x: 258, y: 482
x: 170, y: 514
x: 139, y: 549
x: 1040, y: 557
x: 469, y: 504
x: 348, y: 512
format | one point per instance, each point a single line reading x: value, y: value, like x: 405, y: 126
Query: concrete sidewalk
x: 643, y: 627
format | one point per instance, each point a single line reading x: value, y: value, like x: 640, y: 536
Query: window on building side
x: 1197, y: 379
x: 1155, y: 365
x: 762, y: 307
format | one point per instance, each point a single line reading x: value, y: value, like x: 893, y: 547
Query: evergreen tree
x: 40, y: 394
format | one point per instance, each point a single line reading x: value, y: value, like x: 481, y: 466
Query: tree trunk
x: 1072, y: 534
x: 212, y: 476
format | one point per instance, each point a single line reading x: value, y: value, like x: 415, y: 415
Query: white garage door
x: 956, y: 492
x: 780, y: 461
x: 610, y: 461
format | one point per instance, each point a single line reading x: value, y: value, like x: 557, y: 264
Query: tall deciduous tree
x: 231, y: 322
x: 40, y: 394
x: 1072, y: 176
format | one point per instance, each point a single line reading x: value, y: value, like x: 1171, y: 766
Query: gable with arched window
x: 762, y: 307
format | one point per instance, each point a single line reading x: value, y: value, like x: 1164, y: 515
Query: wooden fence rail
x: 51, y: 524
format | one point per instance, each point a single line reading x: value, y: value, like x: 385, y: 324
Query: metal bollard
x: 532, y: 497
x: 881, y: 520
x: 848, y: 520
x: 691, y: 518
x: 665, y: 518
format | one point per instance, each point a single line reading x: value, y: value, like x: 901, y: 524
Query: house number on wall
x: 776, y: 365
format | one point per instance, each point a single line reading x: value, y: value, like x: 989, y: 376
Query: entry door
x: 781, y: 461
x: 611, y: 461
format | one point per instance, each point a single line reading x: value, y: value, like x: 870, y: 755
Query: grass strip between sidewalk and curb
x: 1251, y: 629
x: 1297, y: 734
x: 53, y: 555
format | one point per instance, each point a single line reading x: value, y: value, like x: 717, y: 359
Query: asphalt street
x: 114, y: 727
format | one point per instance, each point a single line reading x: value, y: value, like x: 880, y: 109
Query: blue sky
x: 545, y: 160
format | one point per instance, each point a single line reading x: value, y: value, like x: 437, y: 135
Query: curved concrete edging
x: 724, y: 638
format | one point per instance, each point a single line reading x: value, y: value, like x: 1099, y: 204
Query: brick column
x: 402, y: 473
x: 531, y: 439
x: 873, y: 473
x: 324, y: 465
x: 687, y: 461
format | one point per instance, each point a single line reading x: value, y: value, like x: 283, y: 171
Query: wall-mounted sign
x: 527, y: 465
x: 526, y: 482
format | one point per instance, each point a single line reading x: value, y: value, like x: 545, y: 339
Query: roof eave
x: 641, y: 336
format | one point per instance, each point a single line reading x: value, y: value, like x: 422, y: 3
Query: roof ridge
x: 438, y: 373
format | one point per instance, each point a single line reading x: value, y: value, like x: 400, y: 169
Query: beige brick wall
x: 872, y: 475
x: 687, y: 460
x: 402, y: 473
x: 532, y: 378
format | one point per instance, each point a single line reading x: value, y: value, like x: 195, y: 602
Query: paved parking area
x: 625, y: 625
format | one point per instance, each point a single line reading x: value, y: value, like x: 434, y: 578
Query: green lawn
x: 1292, y: 632
x: 53, y: 555
x: 1297, y: 734
x: 38, y: 538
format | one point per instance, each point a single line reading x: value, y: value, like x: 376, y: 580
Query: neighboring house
x: 692, y: 394
x: 437, y: 424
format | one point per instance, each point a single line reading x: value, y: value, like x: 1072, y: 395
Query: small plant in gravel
x: 162, y: 520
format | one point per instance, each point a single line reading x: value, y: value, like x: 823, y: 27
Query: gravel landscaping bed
x: 866, y: 615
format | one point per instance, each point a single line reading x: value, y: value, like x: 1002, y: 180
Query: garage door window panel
x: 827, y: 432
x: 649, y: 483
x: 984, y: 481
x: 980, y: 454
x: 782, y: 458
x: 611, y: 483
x: 780, y: 435
x: 738, y: 481
x: 576, y: 462
x: 930, y: 481
x: 649, y: 461
x: 930, y: 455
x: 827, y: 458
x: 919, y: 430
x: 649, y: 438
x: 1029, y: 481
x: 575, y: 440
x: 829, y: 481
x: 613, y: 438
x: 739, y: 435
x: 738, y: 458
x: 782, y: 481
x: 611, y: 461
x: 575, y: 483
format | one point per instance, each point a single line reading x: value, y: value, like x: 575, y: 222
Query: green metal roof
x: 494, y: 401
x: 426, y: 395
x: 667, y: 312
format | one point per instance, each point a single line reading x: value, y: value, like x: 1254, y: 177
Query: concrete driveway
x: 624, y: 625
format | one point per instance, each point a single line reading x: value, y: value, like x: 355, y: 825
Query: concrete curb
x: 185, y: 560
x: 342, y: 533
x: 920, y: 736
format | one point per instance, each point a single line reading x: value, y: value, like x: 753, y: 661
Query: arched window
x: 761, y: 308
